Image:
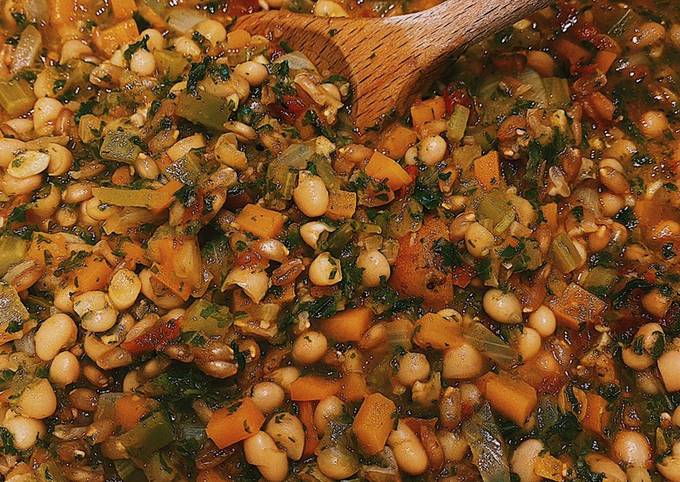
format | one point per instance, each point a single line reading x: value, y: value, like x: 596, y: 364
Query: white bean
x: 261, y: 451
x: 96, y: 311
x: 309, y: 347
x: 53, y: 335
x: 124, y: 288
x: 524, y: 459
x: 325, y: 270
x: 376, y: 268
x: 37, y: 400
x: 287, y: 431
x: 502, y: 307
x: 25, y: 431
x: 268, y: 396
x: 409, y: 452
x: 65, y: 369
x: 311, y: 195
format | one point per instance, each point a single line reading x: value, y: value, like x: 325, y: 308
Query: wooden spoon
x: 389, y: 60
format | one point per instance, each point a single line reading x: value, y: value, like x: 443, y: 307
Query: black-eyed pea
x: 261, y: 451
x: 311, y: 195
x: 124, y: 288
x: 37, y: 400
x: 9, y: 150
x: 25, y: 431
x: 524, y: 459
x: 408, y: 450
x: 56, y: 333
x: 309, y: 347
x: 631, y: 448
x: 337, y: 462
x: 327, y: 409
x: 285, y: 376
x: 503, y: 307
x: 325, y: 270
x: 288, y: 432
x: 95, y: 310
x: 64, y: 369
x: 268, y: 396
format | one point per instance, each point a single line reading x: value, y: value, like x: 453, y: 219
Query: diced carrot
x: 306, y: 412
x: 602, y: 105
x: 348, y: 325
x: 110, y: 39
x: 133, y: 253
x: 121, y: 176
x: 263, y: 223
x: 396, y: 141
x: 549, y: 211
x: 354, y: 387
x: 123, y: 9
x: 48, y: 249
x: 129, y: 410
x: 341, y: 204
x: 573, y: 53
x: 604, y: 60
x: 384, y: 168
x: 230, y: 425
x: 93, y: 275
x: 511, y: 397
x: 373, y: 423
x: 165, y: 195
x: 576, y: 306
x: 166, y: 277
x: 488, y: 171
x: 428, y: 110
x: 62, y: 11
x: 312, y: 387
x: 596, y: 417
x: 435, y: 331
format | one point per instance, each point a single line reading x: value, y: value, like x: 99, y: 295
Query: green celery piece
x: 12, y: 250
x: 158, y: 469
x: 205, y: 109
x: 489, y: 451
x: 16, y: 97
x: 78, y: 75
x: 13, y: 313
x: 484, y: 340
x: 50, y: 472
x: 207, y: 318
x: 564, y: 253
x: 148, y: 436
x: 128, y: 472
x: 457, y: 123
x: 27, y: 50
x: 118, y: 145
x: 601, y: 279
x: 186, y: 169
x: 170, y: 64
x: 537, y: 92
x: 557, y: 92
x: 495, y: 206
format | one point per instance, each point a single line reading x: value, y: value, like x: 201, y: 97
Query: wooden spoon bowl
x: 389, y: 60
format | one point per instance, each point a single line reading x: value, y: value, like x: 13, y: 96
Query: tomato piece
x: 237, y: 8
x: 462, y: 275
x: 290, y: 108
x: 454, y: 95
x: 155, y: 337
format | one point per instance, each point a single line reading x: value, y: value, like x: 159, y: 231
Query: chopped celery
x: 457, y: 123
x: 27, y: 50
x: 336, y: 240
x: 600, y: 281
x: 12, y: 250
x: 491, y: 345
x: 16, y: 97
x: 464, y: 156
x: 489, y: 453
x: 324, y: 170
x: 626, y: 24
x: 106, y: 405
x: 140, y: 198
x: 564, y: 254
x: 78, y: 75
x: 536, y: 92
x: 207, y: 318
x: 495, y: 206
x: 148, y: 436
x: 205, y: 109
x: 128, y: 472
x: 557, y: 92
x: 282, y: 173
x: 13, y: 313
x: 50, y: 472
x: 159, y: 468
x: 183, y: 20
x: 495, y: 103
x: 186, y: 169
x: 120, y: 146
x: 170, y: 64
